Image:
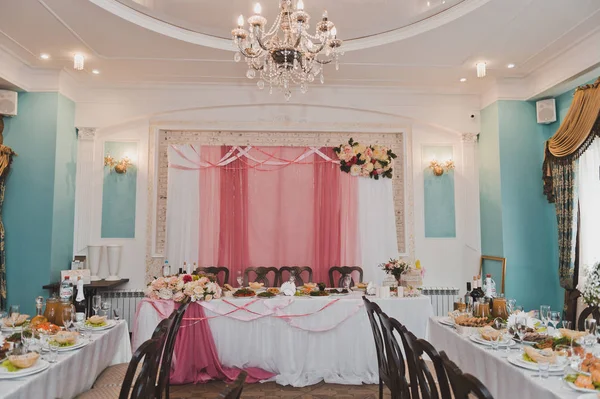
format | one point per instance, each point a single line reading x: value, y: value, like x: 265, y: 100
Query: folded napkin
x: 288, y: 288
x: 531, y: 321
x: 570, y: 334
x: 489, y: 333
x: 371, y: 289
x: 536, y: 355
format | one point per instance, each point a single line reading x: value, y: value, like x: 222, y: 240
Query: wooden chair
x: 234, y: 391
x: 398, y: 359
x: 261, y: 275
x: 594, y: 311
x: 388, y: 372
x: 442, y: 389
x: 297, y: 270
x: 464, y: 386
x: 216, y: 271
x: 344, y: 271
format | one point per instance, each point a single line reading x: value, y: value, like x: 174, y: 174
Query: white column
x: 84, y: 190
x: 471, y: 222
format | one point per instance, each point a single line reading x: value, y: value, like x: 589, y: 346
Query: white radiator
x: 127, y: 301
x: 442, y: 298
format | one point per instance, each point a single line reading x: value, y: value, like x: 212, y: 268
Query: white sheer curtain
x: 589, y: 207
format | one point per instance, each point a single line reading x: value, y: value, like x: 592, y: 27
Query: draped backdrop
x: 6, y: 156
x: 242, y: 207
x: 560, y: 172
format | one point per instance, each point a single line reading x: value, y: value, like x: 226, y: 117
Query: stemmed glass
x: 68, y: 315
x: 14, y: 314
x: 590, y: 329
x: 510, y: 305
x: 240, y: 279
x: 292, y: 276
x: 117, y: 313
x: 96, y: 303
x: 521, y: 326
x: 105, y: 306
x: 555, y: 319
x: 562, y: 353
x: 545, y: 314
x: 347, y: 281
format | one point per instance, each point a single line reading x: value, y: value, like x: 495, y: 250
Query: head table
x: 296, y: 341
x: 504, y: 380
x: 75, y: 371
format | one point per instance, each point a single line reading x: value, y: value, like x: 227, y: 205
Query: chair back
x: 464, y: 386
x: 150, y: 352
x: 261, y: 275
x: 297, y: 270
x: 344, y: 271
x: 162, y: 382
x: 441, y: 389
x: 395, y: 359
x: 216, y: 271
x: 594, y: 311
x: 234, y: 391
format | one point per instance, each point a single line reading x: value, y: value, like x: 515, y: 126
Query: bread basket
x: 24, y: 361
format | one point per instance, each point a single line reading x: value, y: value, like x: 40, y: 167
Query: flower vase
x: 94, y: 253
x: 113, y: 253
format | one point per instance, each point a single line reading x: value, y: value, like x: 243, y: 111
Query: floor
x: 270, y: 390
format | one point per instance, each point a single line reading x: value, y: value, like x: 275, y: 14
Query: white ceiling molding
x: 156, y: 25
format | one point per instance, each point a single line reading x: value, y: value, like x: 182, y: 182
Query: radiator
x: 127, y: 301
x: 442, y: 299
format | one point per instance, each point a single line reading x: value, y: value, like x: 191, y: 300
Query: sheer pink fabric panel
x: 281, y: 209
x: 210, y: 207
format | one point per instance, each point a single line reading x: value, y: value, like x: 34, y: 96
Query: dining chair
x: 216, y: 270
x: 442, y: 387
x: 234, y: 391
x: 261, y: 275
x: 298, y: 270
x: 594, y: 311
x: 344, y: 271
x: 163, y: 381
x: 387, y: 374
x: 398, y: 360
x: 464, y: 386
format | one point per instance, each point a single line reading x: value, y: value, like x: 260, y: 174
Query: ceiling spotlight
x: 463, y: 80
x: 95, y: 72
x: 481, y: 71
x: 510, y: 66
x: 78, y: 62
x: 45, y: 56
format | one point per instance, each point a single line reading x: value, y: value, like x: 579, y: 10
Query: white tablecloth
x: 334, y: 344
x: 504, y: 380
x: 75, y: 371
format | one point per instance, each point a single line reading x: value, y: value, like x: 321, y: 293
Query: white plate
x: 517, y: 360
x: 588, y: 396
x: 576, y: 388
x: 503, y: 342
x: 109, y: 324
x: 447, y: 321
x: 11, y: 330
x: 78, y: 345
x: 39, y: 366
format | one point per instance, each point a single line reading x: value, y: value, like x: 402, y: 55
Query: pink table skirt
x: 196, y: 359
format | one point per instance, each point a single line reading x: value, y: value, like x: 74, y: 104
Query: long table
x: 504, y: 380
x: 301, y: 340
x: 75, y: 371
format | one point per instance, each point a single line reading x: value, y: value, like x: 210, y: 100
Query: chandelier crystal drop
x: 286, y: 54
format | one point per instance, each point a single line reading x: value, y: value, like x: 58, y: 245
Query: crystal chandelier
x: 286, y: 54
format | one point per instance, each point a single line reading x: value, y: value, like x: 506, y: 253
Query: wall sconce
x: 119, y: 166
x: 438, y: 168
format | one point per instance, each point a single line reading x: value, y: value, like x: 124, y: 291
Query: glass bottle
x: 39, y: 318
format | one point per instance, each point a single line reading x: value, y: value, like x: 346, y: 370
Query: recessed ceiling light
x: 45, y: 56
x: 510, y: 66
x: 78, y: 62
x: 95, y: 72
x: 481, y: 69
x: 463, y: 80
x: 428, y: 3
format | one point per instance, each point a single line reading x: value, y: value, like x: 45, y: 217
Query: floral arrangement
x: 590, y: 291
x: 409, y: 276
x: 178, y: 288
x: 367, y: 161
x: 395, y: 267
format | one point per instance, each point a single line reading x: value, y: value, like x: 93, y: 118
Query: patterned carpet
x: 270, y: 390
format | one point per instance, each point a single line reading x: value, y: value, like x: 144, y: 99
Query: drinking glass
x: 521, y: 326
x: 502, y: 328
x: 3, y: 314
x: 87, y: 332
x: 510, y: 305
x: 575, y: 358
x: 566, y: 324
x: 96, y: 302
x: 544, y: 367
x: 13, y: 314
x: 562, y: 353
x: 545, y: 314
x: 26, y: 337
x: 67, y: 315
x: 53, y: 353
x: 495, y: 339
x: 292, y: 276
x: 347, y: 281
x: 590, y: 326
x: 240, y: 279
x: 519, y: 308
x: 555, y: 319
x: 117, y: 313
x: 105, y: 306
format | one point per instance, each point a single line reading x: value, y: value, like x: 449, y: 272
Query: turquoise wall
x: 119, y: 192
x: 39, y: 201
x: 440, y: 214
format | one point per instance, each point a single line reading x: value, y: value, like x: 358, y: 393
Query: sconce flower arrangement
x: 438, y: 168
x: 119, y: 166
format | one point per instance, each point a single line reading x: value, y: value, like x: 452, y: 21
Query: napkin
x: 371, y: 289
x: 288, y: 288
x: 531, y: 321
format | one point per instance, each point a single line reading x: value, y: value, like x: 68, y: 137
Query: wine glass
x: 521, y: 326
x: 510, y: 305
x: 545, y: 314
x: 67, y: 314
x: 96, y: 302
x: 105, y: 306
x: 240, y: 279
x: 292, y: 276
x: 590, y: 329
x: 13, y: 314
x: 555, y: 319
x: 562, y: 353
x: 117, y: 313
x: 26, y: 338
x: 346, y: 281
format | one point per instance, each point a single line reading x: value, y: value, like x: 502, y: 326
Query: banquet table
x: 75, y: 371
x: 301, y: 340
x: 504, y: 380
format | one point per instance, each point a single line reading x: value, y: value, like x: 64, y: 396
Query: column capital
x: 86, y: 133
x: 469, y: 138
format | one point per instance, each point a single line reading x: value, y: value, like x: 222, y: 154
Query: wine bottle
x: 468, y: 293
x: 80, y: 302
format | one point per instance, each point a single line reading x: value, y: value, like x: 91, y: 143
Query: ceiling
x: 402, y: 43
